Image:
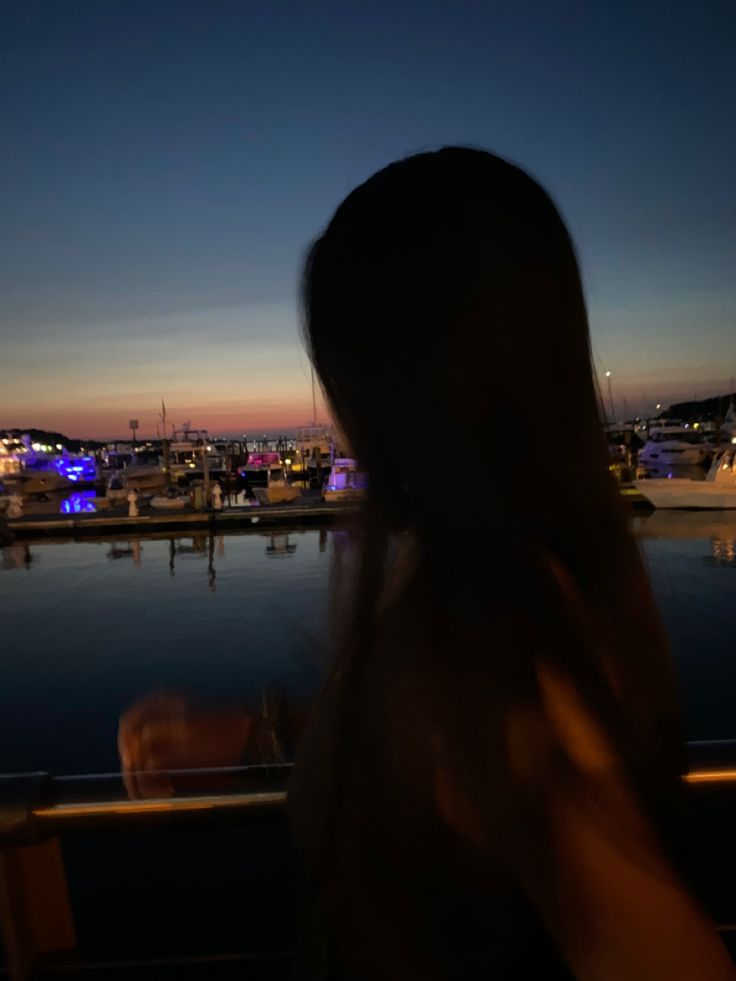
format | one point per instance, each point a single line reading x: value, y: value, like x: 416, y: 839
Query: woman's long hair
x: 445, y: 317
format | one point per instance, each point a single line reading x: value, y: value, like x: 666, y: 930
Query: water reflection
x: 670, y: 523
x: 214, y: 615
x: 716, y: 529
x: 724, y: 552
x: 17, y: 556
x: 280, y: 545
x: 211, y: 573
x: 130, y: 550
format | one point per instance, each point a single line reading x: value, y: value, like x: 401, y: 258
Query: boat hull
x: 140, y: 479
x: 162, y: 503
x: 344, y: 494
x: 663, y: 457
x: 276, y: 495
x: 678, y: 493
x: 43, y: 482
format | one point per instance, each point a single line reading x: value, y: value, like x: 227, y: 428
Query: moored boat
x: 29, y: 482
x: 258, y: 464
x: 346, y: 481
x: 142, y: 478
x: 717, y: 491
x: 314, y: 450
x: 169, y: 502
x: 192, y: 454
x: 674, y: 446
x: 277, y: 490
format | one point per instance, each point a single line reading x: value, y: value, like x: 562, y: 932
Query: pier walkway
x: 306, y: 510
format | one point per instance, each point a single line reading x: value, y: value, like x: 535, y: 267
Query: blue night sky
x: 165, y: 164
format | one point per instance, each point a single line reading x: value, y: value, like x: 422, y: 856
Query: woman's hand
x: 164, y: 731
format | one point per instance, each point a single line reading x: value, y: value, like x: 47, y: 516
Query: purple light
x: 82, y: 502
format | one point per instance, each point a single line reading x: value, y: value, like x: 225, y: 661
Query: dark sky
x: 164, y: 165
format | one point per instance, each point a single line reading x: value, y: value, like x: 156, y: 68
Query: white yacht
x: 190, y: 451
x: 313, y: 447
x: 717, y: 491
x: 28, y: 482
x: 729, y: 422
x: 674, y: 445
x: 126, y: 467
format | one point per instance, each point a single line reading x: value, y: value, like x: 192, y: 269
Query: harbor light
x: 610, y: 397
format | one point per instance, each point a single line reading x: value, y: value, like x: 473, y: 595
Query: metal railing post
x: 35, y: 910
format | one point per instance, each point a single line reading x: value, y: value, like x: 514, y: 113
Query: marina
x: 189, y: 481
x: 367, y: 492
x: 195, y: 481
x: 196, y: 571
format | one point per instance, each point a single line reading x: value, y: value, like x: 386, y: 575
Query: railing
x: 37, y: 808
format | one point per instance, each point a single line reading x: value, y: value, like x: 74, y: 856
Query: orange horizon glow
x: 251, y: 375
x: 112, y: 423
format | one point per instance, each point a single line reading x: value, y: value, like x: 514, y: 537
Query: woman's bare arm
x: 610, y: 898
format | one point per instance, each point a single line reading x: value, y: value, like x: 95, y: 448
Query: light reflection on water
x: 90, y: 626
x: 687, y: 553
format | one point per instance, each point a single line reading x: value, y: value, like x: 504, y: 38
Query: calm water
x: 88, y: 627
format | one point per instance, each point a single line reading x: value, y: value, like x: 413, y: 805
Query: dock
x: 306, y: 511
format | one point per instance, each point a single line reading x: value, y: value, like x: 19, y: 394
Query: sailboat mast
x: 165, y: 443
x: 314, y: 399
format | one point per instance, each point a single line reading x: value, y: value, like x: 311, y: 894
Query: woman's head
x: 445, y: 317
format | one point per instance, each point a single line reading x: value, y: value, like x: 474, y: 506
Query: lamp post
x: 610, y: 397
